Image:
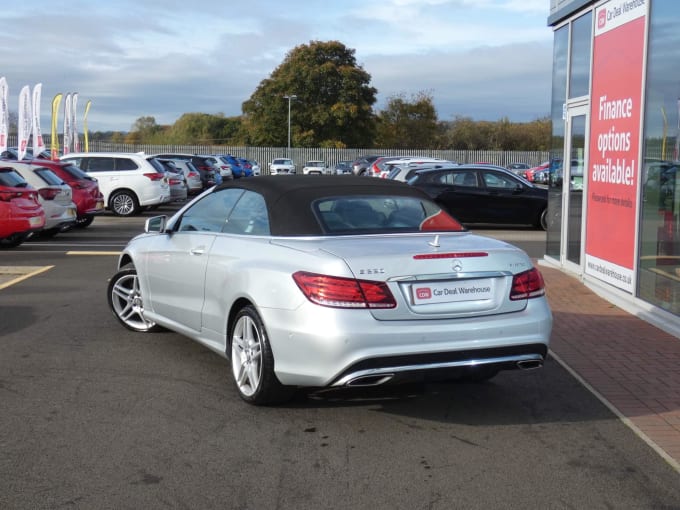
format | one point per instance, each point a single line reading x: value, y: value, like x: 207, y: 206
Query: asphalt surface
x: 95, y: 416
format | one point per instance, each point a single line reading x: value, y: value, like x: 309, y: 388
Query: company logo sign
x: 424, y: 293
x: 616, y: 13
x: 602, y: 18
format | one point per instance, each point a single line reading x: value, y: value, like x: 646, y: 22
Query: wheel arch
x: 236, y: 307
x: 125, y: 259
x: 114, y: 192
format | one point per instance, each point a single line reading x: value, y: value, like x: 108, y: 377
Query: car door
x: 177, y: 270
x: 100, y: 168
x: 506, y: 200
x: 460, y: 193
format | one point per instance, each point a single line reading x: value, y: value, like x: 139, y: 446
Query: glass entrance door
x: 573, y: 183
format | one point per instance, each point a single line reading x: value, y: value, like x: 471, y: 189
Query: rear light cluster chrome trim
x: 340, y: 292
x: 527, y: 285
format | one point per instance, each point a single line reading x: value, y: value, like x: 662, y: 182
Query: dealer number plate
x: 452, y: 291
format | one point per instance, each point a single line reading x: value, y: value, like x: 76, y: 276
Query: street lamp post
x: 290, y: 97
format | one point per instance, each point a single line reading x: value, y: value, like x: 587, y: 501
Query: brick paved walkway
x: 633, y: 366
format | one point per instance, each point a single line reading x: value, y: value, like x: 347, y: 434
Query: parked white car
x: 280, y: 166
x: 315, y: 168
x: 55, y: 196
x: 128, y: 181
x: 407, y: 162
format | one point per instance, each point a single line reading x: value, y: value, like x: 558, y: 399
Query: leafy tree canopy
x: 333, y: 106
x: 408, y: 124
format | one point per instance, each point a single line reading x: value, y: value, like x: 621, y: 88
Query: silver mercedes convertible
x: 333, y: 281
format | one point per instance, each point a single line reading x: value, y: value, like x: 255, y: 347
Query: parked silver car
x: 334, y: 282
x: 179, y: 190
x: 191, y: 175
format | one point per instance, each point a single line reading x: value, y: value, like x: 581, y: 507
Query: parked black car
x: 477, y: 194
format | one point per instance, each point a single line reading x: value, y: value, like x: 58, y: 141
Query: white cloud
x: 166, y: 57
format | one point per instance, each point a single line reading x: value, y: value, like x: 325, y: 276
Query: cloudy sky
x: 484, y: 59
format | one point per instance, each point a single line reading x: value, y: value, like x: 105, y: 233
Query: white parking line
x: 92, y: 253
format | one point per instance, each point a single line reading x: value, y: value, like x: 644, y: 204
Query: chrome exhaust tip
x: 369, y: 380
x: 530, y: 364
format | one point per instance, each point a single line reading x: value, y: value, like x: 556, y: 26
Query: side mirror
x: 155, y: 224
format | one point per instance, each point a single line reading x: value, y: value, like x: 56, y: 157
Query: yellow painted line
x: 92, y: 253
x: 22, y: 274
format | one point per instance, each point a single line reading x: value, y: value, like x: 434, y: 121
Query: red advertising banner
x: 614, y: 147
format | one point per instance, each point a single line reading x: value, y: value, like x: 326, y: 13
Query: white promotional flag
x: 74, y: 128
x: 4, y: 114
x: 38, y: 143
x: 67, y: 123
x: 24, y: 124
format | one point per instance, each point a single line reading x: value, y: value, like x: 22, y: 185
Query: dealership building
x: 614, y: 200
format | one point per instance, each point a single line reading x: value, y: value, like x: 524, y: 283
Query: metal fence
x: 264, y: 155
x: 300, y: 155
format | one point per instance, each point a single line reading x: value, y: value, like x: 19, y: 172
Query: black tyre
x: 84, y: 221
x: 252, y: 361
x: 126, y: 301
x: 13, y: 241
x: 543, y: 220
x: 124, y: 203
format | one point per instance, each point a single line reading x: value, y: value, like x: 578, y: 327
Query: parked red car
x: 20, y: 211
x: 86, y: 194
x: 537, y: 174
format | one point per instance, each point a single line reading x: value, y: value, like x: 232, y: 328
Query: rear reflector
x: 527, y: 285
x: 337, y: 292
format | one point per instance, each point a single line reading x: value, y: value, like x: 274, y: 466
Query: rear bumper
x: 60, y: 217
x: 317, y: 346
x: 392, y: 369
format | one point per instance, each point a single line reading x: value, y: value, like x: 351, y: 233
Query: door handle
x: 197, y: 251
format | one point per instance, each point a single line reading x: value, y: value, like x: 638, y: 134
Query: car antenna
x: 435, y: 243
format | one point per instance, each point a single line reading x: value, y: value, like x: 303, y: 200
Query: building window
x: 659, y: 237
x: 579, y: 63
x: 559, y: 97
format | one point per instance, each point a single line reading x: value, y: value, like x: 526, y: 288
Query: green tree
x: 143, y: 130
x: 333, y: 106
x: 197, y: 128
x: 408, y: 124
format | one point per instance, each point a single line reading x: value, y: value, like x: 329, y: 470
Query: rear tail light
x: 7, y: 196
x: 337, y: 292
x: 49, y: 193
x: 527, y: 285
x: 156, y: 176
x: 375, y: 168
x: 193, y: 174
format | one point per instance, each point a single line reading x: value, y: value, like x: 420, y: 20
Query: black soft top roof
x: 289, y: 197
